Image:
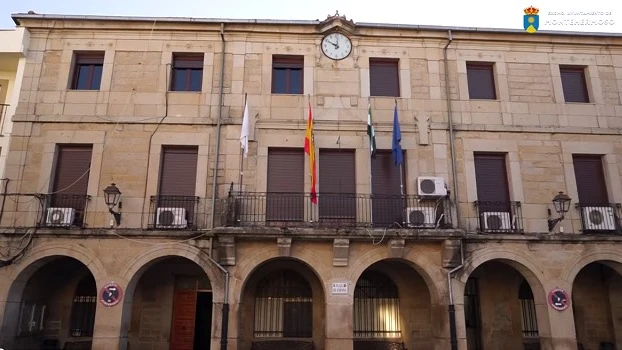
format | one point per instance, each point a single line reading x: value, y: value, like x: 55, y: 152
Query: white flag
x: 245, y: 130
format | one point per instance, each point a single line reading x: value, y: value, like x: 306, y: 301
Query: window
x: 70, y: 185
x: 337, y: 185
x: 590, y: 177
x: 175, y: 204
x: 87, y: 70
x: 376, y: 307
x: 187, y: 72
x: 528, y: 310
x: 285, y: 197
x: 283, y: 306
x: 472, y: 316
x: 83, y: 308
x: 574, y: 84
x: 384, y: 77
x: 287, y: 74
x: 32, y: 318
x: 481, y: 81
x: 387, y: 203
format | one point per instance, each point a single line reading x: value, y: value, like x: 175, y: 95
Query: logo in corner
x: 531, y: 20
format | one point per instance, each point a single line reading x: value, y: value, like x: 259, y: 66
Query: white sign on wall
x: 340, y: 288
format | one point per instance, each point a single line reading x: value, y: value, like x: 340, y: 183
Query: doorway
x: 203, y: 321
x: 191, y: 325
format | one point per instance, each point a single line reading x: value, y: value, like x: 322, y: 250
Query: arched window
x: 283, y: 306
x: 376, y: 307
x: 528, y: 310
x: 83, y: 308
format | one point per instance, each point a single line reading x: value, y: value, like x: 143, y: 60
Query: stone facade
x: 133, y: 115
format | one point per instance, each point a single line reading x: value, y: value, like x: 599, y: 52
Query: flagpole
x: 401, y: 166
x: 371, y: 188
x: 242, y: 154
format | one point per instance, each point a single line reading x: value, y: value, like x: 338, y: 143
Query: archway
x: 169, y: 306
x: 392, y: 308
x: 500, y: 309
x: 596, y: 306
x: 282, y: 307
x: 51, y: 304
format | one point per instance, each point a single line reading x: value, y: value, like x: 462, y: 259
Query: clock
x: 336, y: 46
x: 559, y: 299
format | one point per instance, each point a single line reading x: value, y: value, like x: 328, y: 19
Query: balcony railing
x: 173, y: 212
x: 603, y: 218
x: 65, y: 210
x: 334, y: 210
x: 499, y: 217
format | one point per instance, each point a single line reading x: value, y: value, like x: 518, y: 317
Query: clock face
x: 336, y: 46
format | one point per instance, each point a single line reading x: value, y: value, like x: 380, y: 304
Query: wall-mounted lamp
x: 561, y: 202
x: 112, y: 196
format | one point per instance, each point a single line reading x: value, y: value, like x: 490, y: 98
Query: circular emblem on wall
x: 111, y: 294
x: 559, y: 299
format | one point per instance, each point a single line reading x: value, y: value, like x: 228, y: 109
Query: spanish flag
x: 310, y: 150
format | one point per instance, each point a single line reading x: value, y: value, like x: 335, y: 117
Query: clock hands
x: 332, y: 43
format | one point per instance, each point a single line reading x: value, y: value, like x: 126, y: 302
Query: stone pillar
x: 562, y: 334
x: 109, y: 320
x: 339, y: 317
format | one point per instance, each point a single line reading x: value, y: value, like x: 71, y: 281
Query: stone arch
x: 414, y: 258
x: 262, y: 256
x: 38, y: 257
x: 609, y: 257
x: 134, y: 269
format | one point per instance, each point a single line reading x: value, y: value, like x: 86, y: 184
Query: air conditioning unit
x: 171, y: 218
x: 496, y: 221
x: 61, y: 217
x: 420, y: 217
x: 598, y: 219
x: 431, y: 186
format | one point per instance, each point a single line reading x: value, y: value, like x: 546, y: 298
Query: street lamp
x: 112, y: 196
x: 561, y: 202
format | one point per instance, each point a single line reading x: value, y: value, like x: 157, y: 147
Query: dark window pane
x: 481, y: 82
x: 97, y: 77
x: 179, y: 80
x: 295, y: 81
x: 574, y: 85
x: 83, y: 77
x: 384, y: 77
x: 196, y: 79
x: 279, y: 81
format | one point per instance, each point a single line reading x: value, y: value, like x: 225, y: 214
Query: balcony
x: 604, y: 218
x: 64, y: 210
x: 174, y: 213
x: 334, y: 210
x: 499, y: 217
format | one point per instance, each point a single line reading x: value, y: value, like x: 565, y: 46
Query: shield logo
x: 531, y: 23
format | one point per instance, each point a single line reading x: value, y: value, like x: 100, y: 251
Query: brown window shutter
x: 387, y: 204
x: 337, y: 185
x: 574, y: 84
x: 178, y: 172
x: 590, y: 177
x: 285, y: 176
x: 384, y: 77
x: 481, y: 81
x: 73, y: 165
x: 491, y: 178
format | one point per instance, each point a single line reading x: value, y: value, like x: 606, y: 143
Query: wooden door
x: 183, y: 323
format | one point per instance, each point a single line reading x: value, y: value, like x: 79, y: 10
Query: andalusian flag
x: 371, y: 133
x: 310, y: 150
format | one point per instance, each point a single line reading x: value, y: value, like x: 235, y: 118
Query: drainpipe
x: 224, y: 334
x: 219, y: 125
x: 451, y: 131
x: 452, y: 310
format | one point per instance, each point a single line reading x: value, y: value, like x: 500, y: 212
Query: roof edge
x: 35, y: 16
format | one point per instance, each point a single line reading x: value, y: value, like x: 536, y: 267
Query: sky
x: 561, y: 15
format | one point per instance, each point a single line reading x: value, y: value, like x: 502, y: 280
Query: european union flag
x: 398, y: 155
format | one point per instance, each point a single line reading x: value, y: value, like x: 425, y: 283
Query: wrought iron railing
x: 65, y: 210
x: 499, y: 217
x: 174, y: 212
x: 600, y: 218
x: 334, y: 210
